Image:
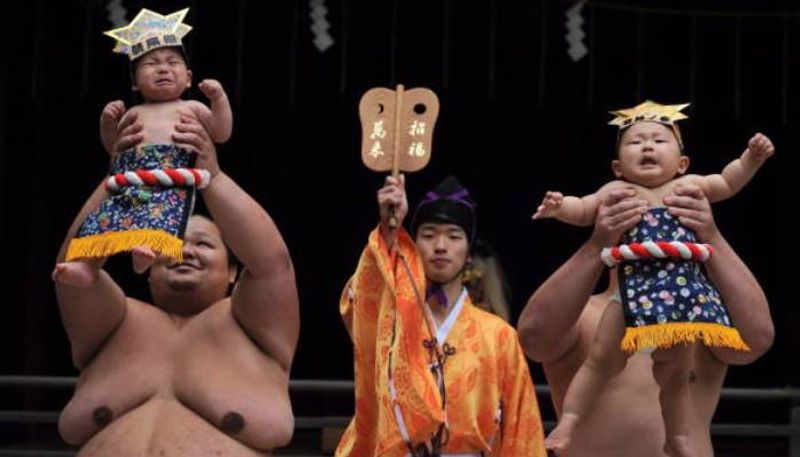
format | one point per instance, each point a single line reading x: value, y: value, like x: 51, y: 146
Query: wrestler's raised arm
x: 264, y: 301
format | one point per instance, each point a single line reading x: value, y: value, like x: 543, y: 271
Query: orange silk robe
x: 487, y: 370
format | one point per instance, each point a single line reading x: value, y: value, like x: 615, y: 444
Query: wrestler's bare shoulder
x: 206, y: 363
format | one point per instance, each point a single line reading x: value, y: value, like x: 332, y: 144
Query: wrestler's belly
x: 620, y: 433
x: 627, y: 422
x: 625, y: 419
x: 163, y: 427
x: 629, y: 439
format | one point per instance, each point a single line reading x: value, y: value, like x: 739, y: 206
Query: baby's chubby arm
x: 109, y: 122
x: 218, y: 120
x: 739, y: 172
x: 573, y: 210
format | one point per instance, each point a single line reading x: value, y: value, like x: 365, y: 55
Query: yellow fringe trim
x: 110, y: 243
x: 674, y: 333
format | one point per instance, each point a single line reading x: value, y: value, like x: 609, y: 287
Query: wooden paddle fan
x: 397, y: 129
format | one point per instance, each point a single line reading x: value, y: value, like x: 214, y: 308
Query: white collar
x: 447, y: 325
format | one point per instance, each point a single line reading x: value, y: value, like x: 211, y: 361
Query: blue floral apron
x: 670, y: 301
x: 149, y: 216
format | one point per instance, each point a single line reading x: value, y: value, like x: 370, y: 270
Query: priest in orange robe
x: 434, y: 375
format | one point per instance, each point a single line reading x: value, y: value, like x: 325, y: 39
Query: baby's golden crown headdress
x: 650, y: 111
x: 150, y: 30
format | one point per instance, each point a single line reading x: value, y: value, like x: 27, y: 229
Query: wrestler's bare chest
x: 205, y: 365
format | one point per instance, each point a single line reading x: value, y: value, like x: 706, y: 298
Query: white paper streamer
x: 575, y: 35
x: 116, y: 13
x: 320, y: 25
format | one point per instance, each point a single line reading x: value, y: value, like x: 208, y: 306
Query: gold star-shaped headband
x: 650, y: 111
x: 150, y: 30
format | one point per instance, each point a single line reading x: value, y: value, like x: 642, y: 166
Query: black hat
x: 448, y: 203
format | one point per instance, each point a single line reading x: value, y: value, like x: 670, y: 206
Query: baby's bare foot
x: 558, y: 440
x: 678, y: 446
x: 142, y: 258
x: 77, y: 273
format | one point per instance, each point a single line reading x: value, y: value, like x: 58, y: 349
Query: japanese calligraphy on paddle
x: 397, y: 129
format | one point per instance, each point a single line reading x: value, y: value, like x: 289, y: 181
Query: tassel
x: 110, y: 243
x: 674, y: 333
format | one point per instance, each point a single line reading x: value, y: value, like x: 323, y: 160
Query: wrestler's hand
x: 129, y: 134
x: 392, y: 195
x: 689, y: 204
x: 109, y: 122
x: 550, y: 204
x: 618, y: 211
x: 192, y: 135
x: 760, y: 147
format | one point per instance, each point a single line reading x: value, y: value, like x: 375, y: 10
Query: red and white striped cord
x: 656, y: 250
x: 167, y: 177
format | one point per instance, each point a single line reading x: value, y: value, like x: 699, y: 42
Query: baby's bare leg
x: 78, y: 273
x: 142, y: 258
x: 671, y: 372
x: 605, y: 361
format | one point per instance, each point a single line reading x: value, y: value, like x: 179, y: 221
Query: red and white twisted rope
x: 656, y: 250
x: 166, y: 177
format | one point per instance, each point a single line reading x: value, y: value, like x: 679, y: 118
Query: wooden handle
x: 396, y: 152
x: 398, y: 105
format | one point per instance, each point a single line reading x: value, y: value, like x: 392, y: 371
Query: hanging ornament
x: 320, y: 25
x: 116, y: 13
x: 575, y: 34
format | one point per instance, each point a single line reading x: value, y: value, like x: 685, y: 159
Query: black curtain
x: 518, y: 118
